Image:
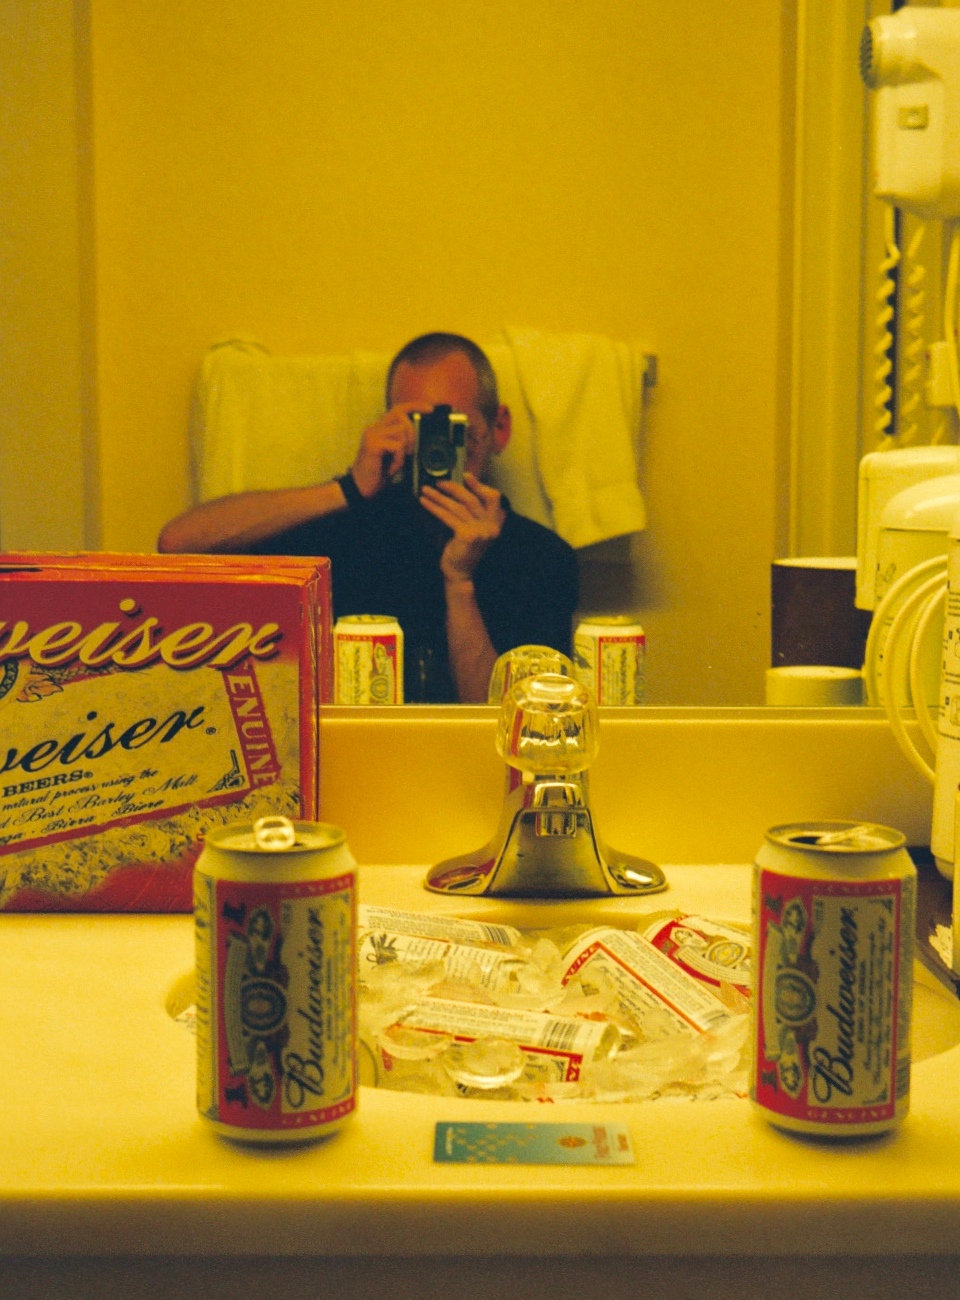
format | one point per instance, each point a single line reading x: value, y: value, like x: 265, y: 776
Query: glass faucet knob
x: 548, y: 726
x: 525, y: 661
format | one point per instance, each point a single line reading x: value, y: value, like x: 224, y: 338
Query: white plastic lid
x: 928, y: 507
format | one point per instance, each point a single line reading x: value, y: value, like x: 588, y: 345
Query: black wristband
x: 348, y: 486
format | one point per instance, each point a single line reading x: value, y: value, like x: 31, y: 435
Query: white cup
x: 817, y: 686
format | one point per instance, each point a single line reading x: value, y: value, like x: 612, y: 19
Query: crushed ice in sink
x: 472, y: 1009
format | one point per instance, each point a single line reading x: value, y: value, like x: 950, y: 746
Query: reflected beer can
x: 833, y: 911
x: 368, y: 659
x: 275, y: 925
x: 609, y: 654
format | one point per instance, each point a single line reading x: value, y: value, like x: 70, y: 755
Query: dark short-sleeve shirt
x: 385, y: 558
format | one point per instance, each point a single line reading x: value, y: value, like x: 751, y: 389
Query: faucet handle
x: 548, y: 726
x: 525, y: 661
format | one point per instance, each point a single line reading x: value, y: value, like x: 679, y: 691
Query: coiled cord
x: 914, y: 344
x: 883, y: 347
x: 901, y: 677
x: 876, y: 639
x: 935, y: 605
x: 950, y: 312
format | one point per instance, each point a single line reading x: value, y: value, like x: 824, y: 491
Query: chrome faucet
x: 546, y: 844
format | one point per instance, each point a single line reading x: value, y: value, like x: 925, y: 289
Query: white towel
x: 584, y: 394
x: 263, y: 422
x: 272, y: 422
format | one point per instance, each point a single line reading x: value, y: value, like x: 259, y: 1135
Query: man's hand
x: 384, y: 447
x: 475, y: 516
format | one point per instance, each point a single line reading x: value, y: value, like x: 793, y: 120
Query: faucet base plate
x: 476, y: 873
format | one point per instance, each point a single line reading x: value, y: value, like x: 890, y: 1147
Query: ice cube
x: 486, y: 1063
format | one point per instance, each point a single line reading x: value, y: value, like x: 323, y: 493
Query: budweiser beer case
x: 144, y: 701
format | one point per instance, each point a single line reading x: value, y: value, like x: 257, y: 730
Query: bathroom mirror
x: 322, y: 178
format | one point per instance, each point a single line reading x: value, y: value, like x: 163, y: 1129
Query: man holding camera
x: 466, y: 577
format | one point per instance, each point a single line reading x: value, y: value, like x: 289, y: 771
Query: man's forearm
x: 235, y: 523
x: 470, y: 649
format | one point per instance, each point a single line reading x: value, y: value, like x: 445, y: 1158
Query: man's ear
x: 502, y: 427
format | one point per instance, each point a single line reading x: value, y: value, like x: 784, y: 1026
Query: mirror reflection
x: 327, y: 181
x: 416, y: 535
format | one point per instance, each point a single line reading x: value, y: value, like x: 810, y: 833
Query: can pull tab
x: 274, y: 833
x: 854, y: 836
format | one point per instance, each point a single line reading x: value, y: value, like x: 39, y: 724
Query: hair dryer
x: 912, y: 60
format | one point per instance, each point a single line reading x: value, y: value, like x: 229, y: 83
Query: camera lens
x: 436, y: 456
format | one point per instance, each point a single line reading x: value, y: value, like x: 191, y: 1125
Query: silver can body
x: 275, y: 931
x: 368, y: 659
x: 609, y: 655
x: 834, y: 907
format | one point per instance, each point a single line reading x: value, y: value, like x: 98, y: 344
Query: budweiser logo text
x: 145, y: 643
x: 82, y: 746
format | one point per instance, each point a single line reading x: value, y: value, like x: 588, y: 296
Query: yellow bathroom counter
x: 102, y: 1151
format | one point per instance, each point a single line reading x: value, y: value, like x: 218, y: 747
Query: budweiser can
x: 275, y: 923
x: 610, y: 658
x: 368, y: 652
x: 833, y: 907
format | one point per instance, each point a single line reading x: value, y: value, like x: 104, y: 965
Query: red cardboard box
x: 143, y: 701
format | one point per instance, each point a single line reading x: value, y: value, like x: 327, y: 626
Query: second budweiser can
x: 609, y: 653
x: 833, y: 907
x: 368, y: 659
x: 275, y: 923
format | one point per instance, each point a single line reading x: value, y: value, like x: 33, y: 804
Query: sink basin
x: 719, y: 892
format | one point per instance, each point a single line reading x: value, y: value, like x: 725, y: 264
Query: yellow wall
x: 338, y: 174
x: 46, y: 341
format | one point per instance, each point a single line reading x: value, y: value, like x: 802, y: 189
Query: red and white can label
x: 283, y: 1005
x: 610, y: 660
x: 369, y: 668
x: 828, y: 995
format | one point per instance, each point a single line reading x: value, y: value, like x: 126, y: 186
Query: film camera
x: 440, y: 449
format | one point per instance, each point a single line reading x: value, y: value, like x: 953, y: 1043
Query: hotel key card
x: 532, y: 1144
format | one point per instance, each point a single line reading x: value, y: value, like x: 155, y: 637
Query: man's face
x: 451, y: 382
